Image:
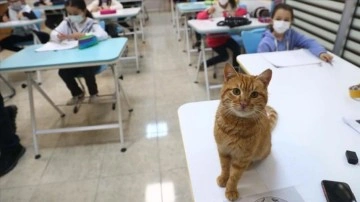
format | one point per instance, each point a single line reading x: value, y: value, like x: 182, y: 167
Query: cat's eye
x: 236, y: 91
x: 254, y: 94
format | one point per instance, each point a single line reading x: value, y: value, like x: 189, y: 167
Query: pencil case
x: 107, y: 11
x: 354, y: 91
x: 87, y: 41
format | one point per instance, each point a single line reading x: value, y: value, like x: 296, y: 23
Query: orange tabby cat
x: 243, y: 125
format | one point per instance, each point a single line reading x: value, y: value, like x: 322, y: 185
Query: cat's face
x: 245, y: 95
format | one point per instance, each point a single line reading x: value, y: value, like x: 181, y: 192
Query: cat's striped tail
x: 273, y: 116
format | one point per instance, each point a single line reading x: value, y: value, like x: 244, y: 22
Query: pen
x: 59, y: 32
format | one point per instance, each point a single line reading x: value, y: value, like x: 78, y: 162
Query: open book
x: 292, y: 58
x: 53, y: 46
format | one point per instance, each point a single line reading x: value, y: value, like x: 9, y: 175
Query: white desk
x: 28, y: 60
x: 20, y: 23
x: 184, y: 9
x: 209, y: 26
x: 126, y: 13
x: 52, y: 8
x: 23, y: 23
x: 308, y: 143
x: 144, y: 16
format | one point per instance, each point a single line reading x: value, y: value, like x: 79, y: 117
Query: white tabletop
x: 191, y: 7
x: 129, y: 1
x: 209, y: 26
x: 309, y: 141
x: 51, y: 8
x: 20, y: 23
x: 30, y: 60
x: 120, y: 13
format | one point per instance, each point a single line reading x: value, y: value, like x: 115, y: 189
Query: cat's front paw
x: 232, y: 195
x: 221, y: 181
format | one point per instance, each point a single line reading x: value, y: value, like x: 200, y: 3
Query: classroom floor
x: 88, y: 166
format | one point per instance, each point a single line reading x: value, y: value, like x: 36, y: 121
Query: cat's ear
x: 265, y: 76
x: 229, y: 72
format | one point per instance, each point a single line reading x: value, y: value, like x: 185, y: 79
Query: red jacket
x: 218, y: 40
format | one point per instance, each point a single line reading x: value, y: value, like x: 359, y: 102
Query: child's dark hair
x: 108, y: 3
x: 80, y: 4
x: 232, y: 3
x: 284, y: 7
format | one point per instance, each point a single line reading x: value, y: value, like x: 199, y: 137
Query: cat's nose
x: 243, y: 105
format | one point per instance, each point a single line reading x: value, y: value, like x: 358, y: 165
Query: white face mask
x: 17, y: 6
x: 223, y: 2
x: 76, y: 18
x: 281, y: 26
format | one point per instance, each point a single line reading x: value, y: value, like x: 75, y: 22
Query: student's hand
x: 326, y: 57
x: 20, y: 15
x: 5, y: 18
x: 76, y: 36
x: 62, y: 37
x: 211, y: 10
x: 104, y: 7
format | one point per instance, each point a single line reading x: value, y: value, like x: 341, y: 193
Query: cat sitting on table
x: 243, y: 125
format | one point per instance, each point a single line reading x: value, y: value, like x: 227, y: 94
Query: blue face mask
x: 76, y: 18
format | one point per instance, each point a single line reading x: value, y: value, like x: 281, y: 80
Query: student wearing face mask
x: 77, y: 24
x: 18, y: 10
x: 220, y: 43
x: 281, y: 37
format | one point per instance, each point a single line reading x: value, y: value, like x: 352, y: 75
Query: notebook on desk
x: 54, y: 46
x: 292, y: 58
x: 353, y: 123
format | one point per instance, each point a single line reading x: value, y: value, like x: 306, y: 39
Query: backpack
x: 234, y: 22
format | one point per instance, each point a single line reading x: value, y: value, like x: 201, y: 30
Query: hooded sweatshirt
x: 218, y: 40
x: 292, y: 40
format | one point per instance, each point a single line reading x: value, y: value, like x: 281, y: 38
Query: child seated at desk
x: 53, y: 16
x: 78, y: 23
x: 219, y: 43
x: 280, y: 36
x: 110, y: 27
x: 18, y: 10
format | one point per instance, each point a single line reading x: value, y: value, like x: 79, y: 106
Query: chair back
x: 251, y: 39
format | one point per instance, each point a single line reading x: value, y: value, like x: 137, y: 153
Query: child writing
x: 18, y: 10
x: 280, y: 36
x: 219, y: 44
x: 78, y: 23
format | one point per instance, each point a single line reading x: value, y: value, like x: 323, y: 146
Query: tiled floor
x: 88, y: 166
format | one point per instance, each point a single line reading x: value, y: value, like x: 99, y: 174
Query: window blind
x: 352, y: 45
x: 318, y: 19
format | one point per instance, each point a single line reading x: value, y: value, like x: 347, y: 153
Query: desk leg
x: 142, y: 30
x: 177, y: 24
x: 136, y: 47
x: 30, y: 84
x: 172, y: 12
x: 198, y: 66
x: 118, y: 109
x: 32, y: 114
x: 187, y: 41
x: 205, y: 68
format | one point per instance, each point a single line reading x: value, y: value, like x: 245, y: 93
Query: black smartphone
x: 337, y: 191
